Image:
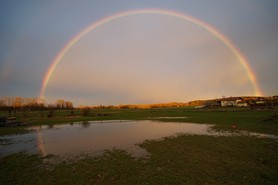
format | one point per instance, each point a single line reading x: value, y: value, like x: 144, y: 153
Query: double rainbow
x: 240, y: 57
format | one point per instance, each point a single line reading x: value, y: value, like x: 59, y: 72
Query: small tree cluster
x: 18, y: 104
x: 62, y: 104
x: 14, y: 105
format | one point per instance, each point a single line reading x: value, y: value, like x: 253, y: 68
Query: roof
x: 231, y: 99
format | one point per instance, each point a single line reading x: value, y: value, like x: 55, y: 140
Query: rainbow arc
x: 217, y: 34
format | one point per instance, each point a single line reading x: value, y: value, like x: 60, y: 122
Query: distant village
x: 252, y: 102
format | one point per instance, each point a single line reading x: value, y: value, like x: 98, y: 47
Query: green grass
x: 255, y: 121
x: 181, y: 160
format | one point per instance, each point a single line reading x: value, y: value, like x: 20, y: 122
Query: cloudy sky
x: 140, y: 58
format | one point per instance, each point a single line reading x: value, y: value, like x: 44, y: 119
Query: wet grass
x: 12, y: 130
x: 181, y: 160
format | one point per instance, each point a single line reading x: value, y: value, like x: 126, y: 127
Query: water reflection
x: 50, y: 126
x: 85, y: 124
x: 94, y: 137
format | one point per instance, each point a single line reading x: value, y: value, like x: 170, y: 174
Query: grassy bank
x: 182, y: 160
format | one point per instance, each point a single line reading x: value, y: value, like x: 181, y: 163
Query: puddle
x: 96, y: 136
x: 165, y: 117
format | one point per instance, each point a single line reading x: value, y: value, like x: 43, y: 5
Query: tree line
x: 20, y: 104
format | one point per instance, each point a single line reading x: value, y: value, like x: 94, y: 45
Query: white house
x: 242, y: 104
x: 230, y: 102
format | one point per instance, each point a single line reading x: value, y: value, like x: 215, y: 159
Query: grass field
x: 174, y: 160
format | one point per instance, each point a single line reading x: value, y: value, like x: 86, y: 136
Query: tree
x: 68, y: 105
x: 51, y: 110
x: 8, y: 101
x: 60, y: 104
x: 8, y: 104
x: 17, y: 102
x: 3, y: 103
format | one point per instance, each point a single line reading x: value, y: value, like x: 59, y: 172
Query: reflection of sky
x: 32, y: 33
x: 96, y: 137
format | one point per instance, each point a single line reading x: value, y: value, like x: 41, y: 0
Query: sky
x: 139, y: 58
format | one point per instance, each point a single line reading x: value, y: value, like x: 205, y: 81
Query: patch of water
x: 96, y: 136
x: 167, y: 117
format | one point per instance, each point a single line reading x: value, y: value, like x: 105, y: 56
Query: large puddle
x: 95, y: 137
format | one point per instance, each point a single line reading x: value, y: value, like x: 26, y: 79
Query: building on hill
x: 265, y: 103
x: 242, y: 104
x: 212, y: 103
x: 233, y: 102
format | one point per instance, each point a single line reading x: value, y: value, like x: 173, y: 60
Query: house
x: 265, y: 103
x: 230, y: 102
x: 242, y: 104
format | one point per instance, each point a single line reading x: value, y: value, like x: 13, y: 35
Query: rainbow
x: 40, y: 142
x: 240, y: 57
